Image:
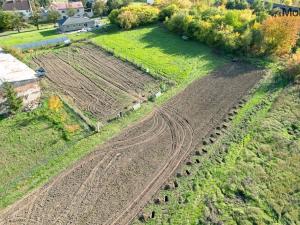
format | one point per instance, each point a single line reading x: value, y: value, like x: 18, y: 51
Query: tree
x: 99, y: 8
x: 6, y: 19
x: 14, y: 102
x: 18, y: 22
x: 53, y: 16
x: 280, y: 34
x: 71, y: 12
x: 117, y: 4
x: 43, y: 3
x: 35, y: 17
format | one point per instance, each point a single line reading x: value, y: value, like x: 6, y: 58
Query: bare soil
x: 94, y: 80
x: 112, y: 184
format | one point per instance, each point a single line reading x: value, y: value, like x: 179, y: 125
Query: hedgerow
x: 134, y: 16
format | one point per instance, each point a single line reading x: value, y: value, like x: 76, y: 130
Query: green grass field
x: 251, y: 175
x: 28, y: 142
x: 161, y: 52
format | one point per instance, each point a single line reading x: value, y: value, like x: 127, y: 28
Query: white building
x: 20, y: 6
x: 63, y: 7
x: 22, y: 78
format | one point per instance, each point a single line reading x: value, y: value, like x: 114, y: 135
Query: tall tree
x: 18, y: 21
x: 53, y: 16
x: 6, y: 19
x: 99, y: 8
x: 35, y: 18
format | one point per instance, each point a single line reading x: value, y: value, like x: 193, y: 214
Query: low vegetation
x: 134, y: 16
x: 34, y: 140
x: 250, y: 176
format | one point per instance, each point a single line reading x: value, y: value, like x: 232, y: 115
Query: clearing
x: 112, y: 184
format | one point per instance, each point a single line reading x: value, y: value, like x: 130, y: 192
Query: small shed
x: 75, y: 23
x: 21, y: 77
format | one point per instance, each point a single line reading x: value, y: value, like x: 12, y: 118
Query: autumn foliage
x: 279, y: 34
x: 55, y: 103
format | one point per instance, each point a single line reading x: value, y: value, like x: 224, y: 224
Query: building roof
x: 13, y: 70
x: 73, y: 20
x: 11, y: 5
x: 66, y: 5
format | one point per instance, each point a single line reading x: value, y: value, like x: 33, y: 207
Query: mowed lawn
x: 162, y: 52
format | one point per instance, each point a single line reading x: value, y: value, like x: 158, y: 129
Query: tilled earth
x: 112, y: 184
x: 96, y: 81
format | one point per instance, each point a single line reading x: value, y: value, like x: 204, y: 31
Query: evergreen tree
x: 14, y: 102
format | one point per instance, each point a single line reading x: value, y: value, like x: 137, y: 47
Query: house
x: 63, y: 7
x: 20, y: 6
x: 75, y: 23
x: 22, y: 78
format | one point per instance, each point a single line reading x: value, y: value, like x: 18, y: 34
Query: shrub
x: 15, y: 103
x: 280, y: 35
x: 292, y: 69
x: 116, y: 4
x: 182, y: 4
x: 229, y: 30
x: 168, y: 11
x: 54, y: 103
x: 237, y: 4
x: 179, y: 23
x: 127, y: 20
x: 134, y: 16
x: 113, y: 16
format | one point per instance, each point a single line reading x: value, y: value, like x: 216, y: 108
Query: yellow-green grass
x: 162, y: 52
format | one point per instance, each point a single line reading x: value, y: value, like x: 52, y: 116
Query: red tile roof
x: 16, y: 4
x: 63, y: 5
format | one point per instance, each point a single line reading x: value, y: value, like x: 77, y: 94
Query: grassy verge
x: 250, y: 176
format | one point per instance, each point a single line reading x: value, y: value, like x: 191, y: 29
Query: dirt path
x: 111, y: 185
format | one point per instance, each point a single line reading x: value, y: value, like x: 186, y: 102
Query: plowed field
x: 111, y: 185
x: 94, y: 80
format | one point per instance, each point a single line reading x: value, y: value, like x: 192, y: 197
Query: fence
x: 40, y: 44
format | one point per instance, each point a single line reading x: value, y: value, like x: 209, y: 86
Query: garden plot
x: 96, y: 81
